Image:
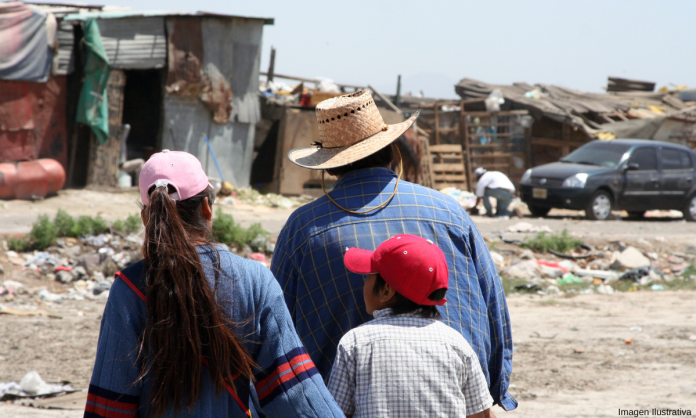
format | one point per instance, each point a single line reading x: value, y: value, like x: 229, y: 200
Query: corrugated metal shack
x: 33, y: 115
x: 176, y: 78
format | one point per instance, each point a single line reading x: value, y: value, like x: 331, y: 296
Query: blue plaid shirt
x: 325, y: 299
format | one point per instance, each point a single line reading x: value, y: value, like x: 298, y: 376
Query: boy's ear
x: 386, y: 293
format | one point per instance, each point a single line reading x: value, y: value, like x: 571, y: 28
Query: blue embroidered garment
x: 287, y: 382
x: 325, y: 299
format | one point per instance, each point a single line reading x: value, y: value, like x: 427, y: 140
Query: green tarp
x: 92, y: 109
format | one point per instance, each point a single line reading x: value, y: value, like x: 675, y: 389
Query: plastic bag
x: 494, y: 100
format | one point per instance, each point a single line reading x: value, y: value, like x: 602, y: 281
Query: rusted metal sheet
x: 246, y: 56
x: 185, y: 46
x: 134, y: 43
x: 194, y: 63
x: 32, y: 120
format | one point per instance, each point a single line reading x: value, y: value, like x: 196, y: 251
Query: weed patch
x: 45, y: 231
x: 228, y: 231
x: 561, y: 243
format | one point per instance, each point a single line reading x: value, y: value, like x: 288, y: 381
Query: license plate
x: 539, y: 193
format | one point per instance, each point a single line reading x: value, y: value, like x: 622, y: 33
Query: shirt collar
x: 381, y: 313
x: 374, y: 172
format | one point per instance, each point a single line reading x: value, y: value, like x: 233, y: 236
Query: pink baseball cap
x: 179, y: 169
x: 413, y: 266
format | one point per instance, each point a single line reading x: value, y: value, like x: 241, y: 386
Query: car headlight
x: 576, y: 182
x: 526, y: 176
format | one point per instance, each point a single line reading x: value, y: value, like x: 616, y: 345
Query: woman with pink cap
x: 193, y: 330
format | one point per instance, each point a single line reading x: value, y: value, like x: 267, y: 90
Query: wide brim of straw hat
x: 317, y: 158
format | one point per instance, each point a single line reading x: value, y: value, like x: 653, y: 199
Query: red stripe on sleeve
x: 288, y: 376
x: 108, y: 403
x: 103, y: 412
x: 281, y: 369
x: 131, y: 285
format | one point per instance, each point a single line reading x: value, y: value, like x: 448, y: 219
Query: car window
x: 645, y: 157
x: 604, y: 153
x: 687, y: 162
x: 673, y: 159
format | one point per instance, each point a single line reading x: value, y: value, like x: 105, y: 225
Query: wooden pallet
x: 447, y: 167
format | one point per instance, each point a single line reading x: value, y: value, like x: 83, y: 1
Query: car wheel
x: 690, y: 209
x: 636, y: 215
x: 538, y: 211
x: 600, y: 206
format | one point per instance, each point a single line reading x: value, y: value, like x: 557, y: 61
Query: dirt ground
x: 570, y: 358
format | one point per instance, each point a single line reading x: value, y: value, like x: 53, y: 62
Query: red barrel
x: 31, y: 179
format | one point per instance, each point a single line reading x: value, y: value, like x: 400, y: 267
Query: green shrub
x: 65, y: 224
x: 229, y: 232
x: 43, y: 233
x: 83, y: 226
x: 133, y: 224
x: 561, y: 243
x: 21, y: 245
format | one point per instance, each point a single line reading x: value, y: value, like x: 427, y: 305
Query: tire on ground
x: 689, y: 214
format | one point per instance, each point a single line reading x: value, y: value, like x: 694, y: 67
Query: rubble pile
x: 245, y: 195
x: 607, y: 268
x: 87, y: 265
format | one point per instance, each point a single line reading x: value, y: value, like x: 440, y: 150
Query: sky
x: 434, y: 44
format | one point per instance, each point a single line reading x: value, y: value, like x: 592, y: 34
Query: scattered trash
x: 466, y: 199
x: 628, y: 341
x: 528, y: 287
x: 17, y: 312
x: 50, y: 297
x: 630, y: 258
x: 636, y: 329
x: 570, y: 278
x: 527, y: 227
x: 657, y: 287
x: 31, y: 385
x: 259, y: 257
x: 498, y: 259
x: 606, y: 276
x: 605, y: 289
x: 552, y: 290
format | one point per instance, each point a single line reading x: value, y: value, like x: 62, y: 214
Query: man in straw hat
x: 369, y: 204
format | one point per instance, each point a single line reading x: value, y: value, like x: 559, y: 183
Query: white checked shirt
x: 407, y: 366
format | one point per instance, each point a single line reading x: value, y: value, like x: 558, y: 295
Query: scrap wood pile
x: 538, y: 260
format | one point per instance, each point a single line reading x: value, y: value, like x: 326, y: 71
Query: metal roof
x: 158, y: 13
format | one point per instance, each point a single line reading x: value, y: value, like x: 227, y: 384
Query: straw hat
x: 350, y: 129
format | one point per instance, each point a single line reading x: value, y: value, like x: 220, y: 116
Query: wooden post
x: 437, y: 125
x: 397, y: 99
x: 271, y: 65
x: 104, y: 158
x: 384, y: 98
x: 464, y: 132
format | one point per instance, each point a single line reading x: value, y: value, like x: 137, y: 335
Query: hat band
x: 321, y: 146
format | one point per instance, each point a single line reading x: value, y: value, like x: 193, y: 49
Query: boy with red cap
x: 406, y: 363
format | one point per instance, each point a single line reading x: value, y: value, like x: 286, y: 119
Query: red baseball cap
x: 178, y: 169
x: 413, y: 266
